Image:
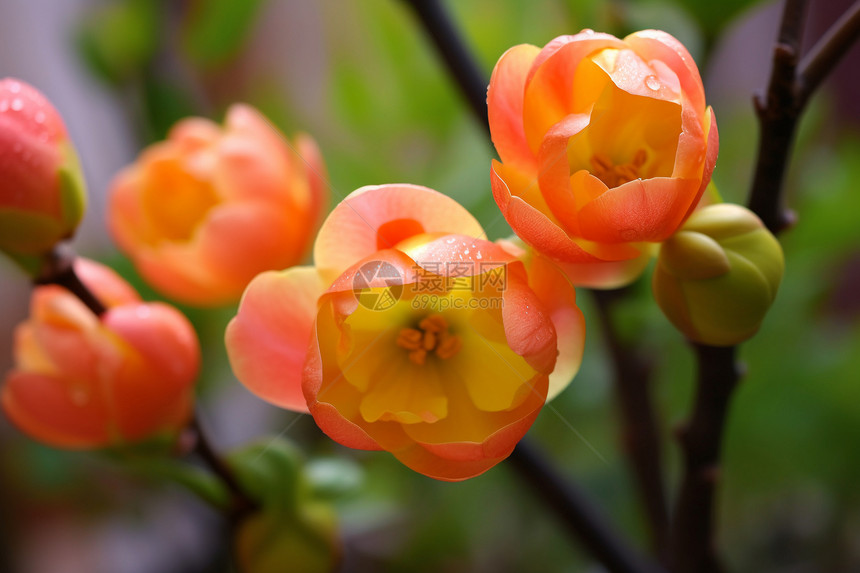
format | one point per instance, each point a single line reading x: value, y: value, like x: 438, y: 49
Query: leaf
x: 217, y: 29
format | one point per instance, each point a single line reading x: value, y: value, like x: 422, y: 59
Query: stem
x: 240, y: 504
x: 692, y: 531
x: 790, y: 86
x: 640, y: 433
x: 827, y: 52
x: 571, y: 506
x: 58, y: 269
x: 458, y: 58
x: 778, y: 111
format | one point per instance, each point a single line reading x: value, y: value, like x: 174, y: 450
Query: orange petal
x: 240, y: 240
x: 105, y: 283
x: 649, y: 210
x: 505, y: 105
x: 378, y: 217
x: 555, y: 176
x: 556, y: 293
x: 164, y: 340
x: 606, y: 274
x: 660, y: 46
x: 533, y: 226
x: 550, y: 94
x: 45, y: 408
x: 267, y: 341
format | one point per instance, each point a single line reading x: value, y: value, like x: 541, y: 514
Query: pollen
x: 614, y: 175
x: 432, y: 335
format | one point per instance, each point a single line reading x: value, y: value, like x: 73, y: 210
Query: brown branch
x: 640, y: 432
x: 240, y: 503
x: 692, y: 529
x: 827, y: 52
x: 573, y: 508
x: 58, y: 269
x: 789, y: 88
x: 777, y: 112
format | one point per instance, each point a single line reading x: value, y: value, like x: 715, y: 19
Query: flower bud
x: 83, y: 381
x: 716, y: 278
x: 42, y: 193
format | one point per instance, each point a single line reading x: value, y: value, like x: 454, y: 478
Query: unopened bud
x: 718, y: 275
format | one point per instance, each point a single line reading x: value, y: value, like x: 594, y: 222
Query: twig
x: 461, y: 64
x: 573, y: 508
x: 778, y: 111
x: 827, y: 52
x: 241, y: 504
x: 58, y: 269
x: 692, y: 529
x: 640, y: 434
x: 789, y: 89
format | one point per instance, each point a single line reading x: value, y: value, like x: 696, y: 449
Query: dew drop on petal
x: 17, y: 104
x: 652, y: 83
x: 40, y: 117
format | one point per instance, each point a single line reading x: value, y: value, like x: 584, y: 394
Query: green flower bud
x: 717, y: 276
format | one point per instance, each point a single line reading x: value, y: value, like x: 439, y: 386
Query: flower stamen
x: 431, y: 336
x: 615, y: 175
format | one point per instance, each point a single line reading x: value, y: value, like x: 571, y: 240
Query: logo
x: 381, y: 274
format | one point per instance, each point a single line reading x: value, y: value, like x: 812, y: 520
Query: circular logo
x: 377, y: 273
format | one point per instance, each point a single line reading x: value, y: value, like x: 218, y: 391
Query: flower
x: 606, y: 145
x: 42, y: 194
x: 87, y: 381
x: 203, y: 212
x: 717, y: 277
x: 411, y: 335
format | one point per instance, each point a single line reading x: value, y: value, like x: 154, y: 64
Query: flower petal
x: 556, y: 293
x: 505, y: 105
x: 378, y: 217
x: 267, y: 341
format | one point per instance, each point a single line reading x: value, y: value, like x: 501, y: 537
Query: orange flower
x: 42, y: 195
x: 205, y: 211
x: 411, y: 335
x: 84, y: 381
x: 606, y: 146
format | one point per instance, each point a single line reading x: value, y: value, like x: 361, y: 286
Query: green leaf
x: 216, y: 30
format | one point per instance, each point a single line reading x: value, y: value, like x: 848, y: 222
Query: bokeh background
x: 363, y: 79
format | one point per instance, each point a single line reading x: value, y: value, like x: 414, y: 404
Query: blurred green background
x: 363, y: 79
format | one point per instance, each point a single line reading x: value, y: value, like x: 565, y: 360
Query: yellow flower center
x: 431, y: 336
x: 615, y: 175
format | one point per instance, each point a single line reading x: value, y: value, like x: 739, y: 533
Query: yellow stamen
x: 615, y: 175
x: 432, y: 336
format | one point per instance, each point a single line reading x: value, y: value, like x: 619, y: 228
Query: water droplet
x: 587, y: 31
x: 40, y: 117
x: 4, y: 106
x: 451, y: 240
x: 479, y: 256
x: 17, y: 104
x: 466, y: 252
x: 652, y: 83
x: 14, y: 87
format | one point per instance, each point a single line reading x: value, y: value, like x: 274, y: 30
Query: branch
x: 692, y: 530
x: 573, y: 508
x: 827, y: 52
x: 58, y: 269
x: 777, y: 112
x: 241, y: 504
x: 640, y: 434
x: 461, y: 64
